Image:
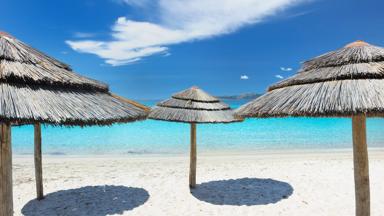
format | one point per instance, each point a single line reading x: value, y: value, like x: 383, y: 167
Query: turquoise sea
x: 159, y: 137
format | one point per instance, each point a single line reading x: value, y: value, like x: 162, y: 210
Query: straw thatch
x: 340, y: 83
x: 37, y: 88
x: 193, y: 106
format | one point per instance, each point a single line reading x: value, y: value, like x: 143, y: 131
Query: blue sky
x: 148, y: 49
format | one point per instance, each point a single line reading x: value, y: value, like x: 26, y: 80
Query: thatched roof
x: 339, y: 83
x: 193, y: 106
x: 37, y: 88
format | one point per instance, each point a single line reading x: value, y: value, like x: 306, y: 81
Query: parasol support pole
x: 192, y: 168
x: 6, y: 195
x: 38, y: 163
x: 361, y: 166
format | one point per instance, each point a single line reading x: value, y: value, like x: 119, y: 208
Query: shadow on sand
x: 244, y: 191
x: 90, y: 200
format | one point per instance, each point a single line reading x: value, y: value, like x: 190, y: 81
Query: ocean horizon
x: 160, y: 137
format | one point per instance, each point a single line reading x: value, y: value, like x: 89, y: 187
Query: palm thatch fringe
x: 333, y: 98
x: 68, y: 107
x: 189, y: 104
x: 23, y: 104
x: 192, y: 116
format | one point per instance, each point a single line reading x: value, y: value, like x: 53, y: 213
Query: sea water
x: 160, y: 137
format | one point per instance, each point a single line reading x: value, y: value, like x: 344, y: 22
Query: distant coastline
x: 245, y: 96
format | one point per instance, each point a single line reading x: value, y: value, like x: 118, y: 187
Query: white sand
x: 321, y: 183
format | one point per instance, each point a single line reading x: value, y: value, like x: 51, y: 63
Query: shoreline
x: 261, y: 152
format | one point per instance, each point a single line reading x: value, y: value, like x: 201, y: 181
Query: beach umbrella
x: 35, y: 89
x: 193, y: 106
x: 348, y: 82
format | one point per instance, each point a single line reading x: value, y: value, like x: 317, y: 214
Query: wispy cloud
x: 83, y: 34
x: 244, y: 77
x: 177, y: 22
x: 139, y: 3
x: 285, y: 69
x: 299, y: 14
x: 279, y: 76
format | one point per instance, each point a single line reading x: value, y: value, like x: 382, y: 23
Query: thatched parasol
x: 34, y: 89
x: 193, y: 106
x: 348, y: 82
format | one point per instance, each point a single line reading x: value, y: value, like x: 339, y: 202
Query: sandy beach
x: 264, y: 183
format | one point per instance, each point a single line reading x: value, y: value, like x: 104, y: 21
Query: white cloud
x: 177, y: 22
x: 285, y: 68
x: 244, y: 77
x: 279, y: 76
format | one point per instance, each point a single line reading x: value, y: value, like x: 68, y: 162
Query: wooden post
x: 38, y: 163
x: 6, y: 196
x: 192, y: 168
x: 361, y: 166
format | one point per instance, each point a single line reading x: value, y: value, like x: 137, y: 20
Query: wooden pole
x: 192, y: 169
x: 361, y: 166
x: 6, y: 196
x: 38, y: 163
